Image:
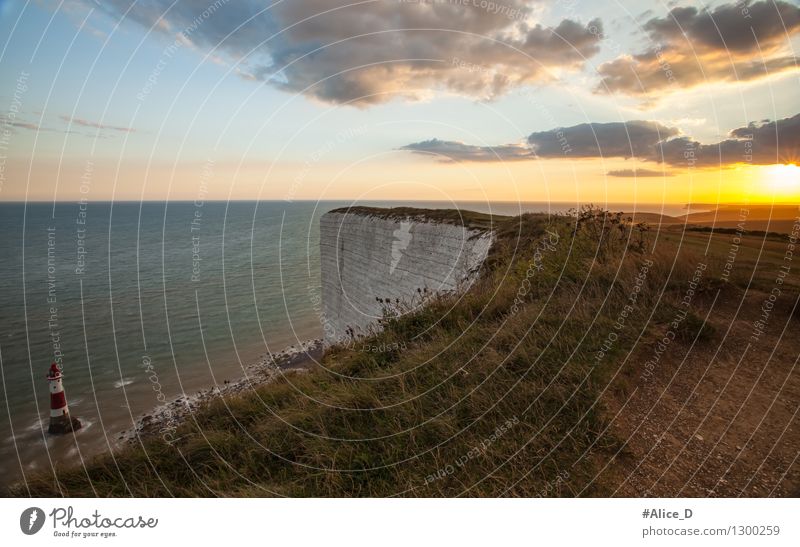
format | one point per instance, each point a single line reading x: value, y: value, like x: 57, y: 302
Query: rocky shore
x: 164, y: 419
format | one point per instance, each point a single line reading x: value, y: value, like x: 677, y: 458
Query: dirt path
x: 719, y: 419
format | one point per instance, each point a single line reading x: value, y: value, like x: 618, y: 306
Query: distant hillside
x: 762, y: 218
x: 733, y: 212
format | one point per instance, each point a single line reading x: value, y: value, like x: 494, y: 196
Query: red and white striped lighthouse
x: 60, y: 420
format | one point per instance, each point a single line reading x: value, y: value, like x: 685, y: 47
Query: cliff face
x: 368, y: 255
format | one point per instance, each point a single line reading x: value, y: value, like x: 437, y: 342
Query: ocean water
x: 142, y: 302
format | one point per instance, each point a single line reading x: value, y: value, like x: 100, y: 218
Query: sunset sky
x: 624, y: 101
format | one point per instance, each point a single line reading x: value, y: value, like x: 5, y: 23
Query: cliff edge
x: 372, y: 258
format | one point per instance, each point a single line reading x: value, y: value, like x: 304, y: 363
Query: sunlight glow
x: 783, y: 180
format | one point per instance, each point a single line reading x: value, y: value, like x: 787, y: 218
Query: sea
x: 141, y: 302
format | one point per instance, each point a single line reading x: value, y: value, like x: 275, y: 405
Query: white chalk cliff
x: 371, y: 256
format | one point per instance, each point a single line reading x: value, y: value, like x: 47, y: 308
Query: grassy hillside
x: 514, y: 388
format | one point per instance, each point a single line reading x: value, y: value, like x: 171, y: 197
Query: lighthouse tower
x: 60, y: 420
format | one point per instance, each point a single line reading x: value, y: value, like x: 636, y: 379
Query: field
x: 593, y: 357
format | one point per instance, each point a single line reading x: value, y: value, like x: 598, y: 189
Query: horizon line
x: 396, y: 200
x: 251, y: 200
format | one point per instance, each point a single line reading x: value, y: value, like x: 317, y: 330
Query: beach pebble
x: 263, y: 370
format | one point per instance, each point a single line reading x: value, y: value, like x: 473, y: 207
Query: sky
x: 565, y: 101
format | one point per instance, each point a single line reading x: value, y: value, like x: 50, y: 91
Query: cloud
x: 758, y: 143
x: 12, y: 122
x: 7, y: 121
x: 589, y: 140
x: 370, y: 52
x: 739, y: 27
x: 450, y: 151
x: 96, y: 125
x: 739, y: 41
x: 638, y: 173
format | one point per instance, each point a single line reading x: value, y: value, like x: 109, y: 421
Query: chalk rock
x: 373, y: 261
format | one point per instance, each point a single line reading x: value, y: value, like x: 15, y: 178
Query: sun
x: 783, y: 180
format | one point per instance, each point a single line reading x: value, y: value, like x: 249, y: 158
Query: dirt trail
x: 720, y: 419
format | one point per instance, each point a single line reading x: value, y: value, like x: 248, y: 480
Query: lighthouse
x: 60, y: 420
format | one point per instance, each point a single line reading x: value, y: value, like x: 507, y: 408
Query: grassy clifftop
x: 513, y: 388
x: 459, y: 217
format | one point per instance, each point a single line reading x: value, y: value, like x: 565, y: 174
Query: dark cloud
x: 638, y: 173
x: 589, y: 140
x: 372, y: 51
x: 761, y: 143
x: 450, y: 151
x: 740, y: 27
x: 733, y: 42
x: 235, y: 26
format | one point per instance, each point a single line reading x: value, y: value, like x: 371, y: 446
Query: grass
x: 498, y: 391
x: 780, y: 236
x: 460, y: 217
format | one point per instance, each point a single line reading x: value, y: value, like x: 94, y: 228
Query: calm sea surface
x: 196, y: 290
